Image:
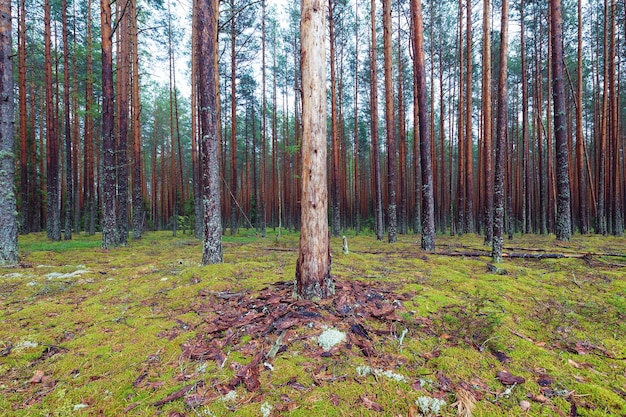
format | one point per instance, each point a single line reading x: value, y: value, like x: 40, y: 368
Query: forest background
x: 156, y: 129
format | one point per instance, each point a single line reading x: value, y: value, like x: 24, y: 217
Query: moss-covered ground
x: 132, y: 331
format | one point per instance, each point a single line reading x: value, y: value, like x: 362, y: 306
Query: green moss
x: 125, y: 318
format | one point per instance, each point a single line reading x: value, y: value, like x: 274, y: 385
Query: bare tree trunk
x: 469, y: 143
x: 428, y: 204
x: 378, y: 198
x: 583, y: 224
x: 208, y: 11
x: 262, y: 193
x: 563, y: 220
x: 137, y: 197
x: 487, y: 123
x: 357, y: 178
x: 501, y: 127
x: 68, y: 127
x: 526, y: 209
x: 88, y: 177
x: 109, y: 217
x: 195, y: 161
x: 8, y: 208
x: 233, y: 121
x: 334, y: 180
x: 313, y: 276
x: 402, y: 188
x: 390, y: 124
x: 25, y: 209
x: 123, y: 78
x: 53, y: 215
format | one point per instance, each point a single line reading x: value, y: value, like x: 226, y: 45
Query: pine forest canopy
x: 109, y: 135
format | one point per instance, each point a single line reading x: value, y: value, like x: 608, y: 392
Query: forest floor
x: 145, y: 330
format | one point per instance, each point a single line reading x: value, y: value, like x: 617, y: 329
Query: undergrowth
x: 95, y: 332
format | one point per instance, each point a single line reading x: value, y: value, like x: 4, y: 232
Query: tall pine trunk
x: 313, y: 268
x: 428, y: 205
x: 501, y: 127
x: 208, y: 11
x: 390, y: 124
x: 563, y: 212
x: 8, y: 207
x: 377, y: 186
x: 68, y: 127
x: 109, y: 217
x: 53, y: 214
x: 487, y: 127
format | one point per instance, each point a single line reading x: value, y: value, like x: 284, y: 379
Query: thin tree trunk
x: 378, y: 198
x: 428, y: 205
x: 357, y: 178
x: 8, y: 206
x: 68, y: 127
x: 52, y: 170
x: 208, y: 11
x: 195, y: 161
x: 233, y: 122
x: 137, y: 197
x: 501, y: 126
x: 469, y: 143
x: 487, y: 124
x: 583, y: 224
x: 122, y: 107
x: 88, y: 177
x: 313, y: 268
x: 334, y: 180
x: 262, y: 193
x: 25, y: 208
x: 390, y: 124
x: 402, y: 206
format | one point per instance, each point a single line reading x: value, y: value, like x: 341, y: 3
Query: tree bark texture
x: 53, y: 214
x: 109, y: 198
x: 390, y: 124
x: 377, y: 186
x: 334, y: 180
x: 487, y: 123
x: 563, y: 211
x: 428, y: 204
x: 69, y: 193
x: 208, y: 11
x: 501, y: 126
x: 313, y: 268
x: 8, y: 208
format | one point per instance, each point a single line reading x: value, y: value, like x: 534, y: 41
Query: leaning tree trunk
x: 8, y: 213
x: 563, y: 211
x: 498, y: 212
x: 313, y: 277
x: 208, y: 11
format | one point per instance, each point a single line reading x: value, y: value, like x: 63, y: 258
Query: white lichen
x: 231, y: 396
x: 266, y: 409
x: 330, y: 338
x: 429, y: 406
x: 58, y: 275
x: 364, y: 371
